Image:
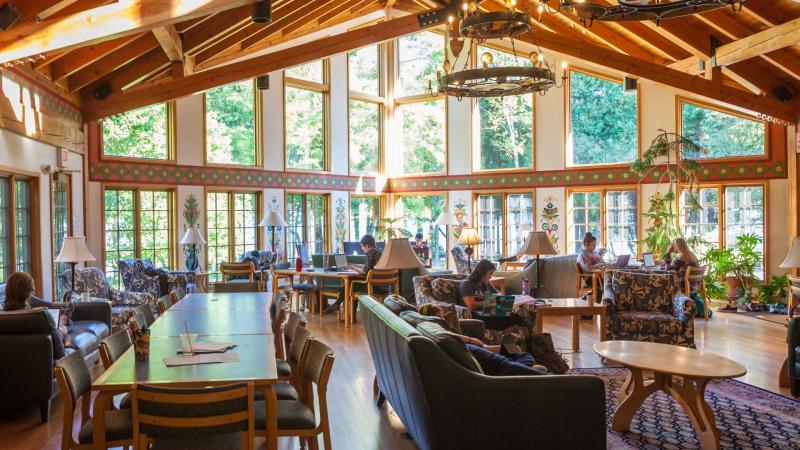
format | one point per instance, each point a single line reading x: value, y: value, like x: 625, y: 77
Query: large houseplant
x: 392, y: 227
x: 736, y: 266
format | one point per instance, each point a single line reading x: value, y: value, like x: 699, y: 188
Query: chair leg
x: 44, y: 411
x: 313, y: 443
x: 313, y: 308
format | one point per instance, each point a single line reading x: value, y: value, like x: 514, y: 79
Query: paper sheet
x: 204, y: 358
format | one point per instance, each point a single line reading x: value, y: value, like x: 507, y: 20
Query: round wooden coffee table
x: 696, y: 368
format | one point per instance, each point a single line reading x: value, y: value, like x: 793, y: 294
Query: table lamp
x: 192, y: 240
x: 73, y: 251
x: 272, y: 221
x: 537, y: 243
x: 792, y: 260
x: 468, y: 238
x: 397, y: 255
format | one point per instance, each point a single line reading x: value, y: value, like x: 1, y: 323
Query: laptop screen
x: 648, y: 259
x: 622, y: 260
x: 54, y: 313
x: 340, y: 261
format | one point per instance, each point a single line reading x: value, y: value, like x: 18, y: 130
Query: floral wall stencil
x: 549, y: 221
x: 460, y: 211
x: 340, y: 221
x: 191, y: 210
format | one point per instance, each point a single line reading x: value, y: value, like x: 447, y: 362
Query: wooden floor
x: 358, y: 424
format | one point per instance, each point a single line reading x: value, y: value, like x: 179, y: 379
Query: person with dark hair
x: 589, y: 258
x: 372, y: 254
x: 421, y: 249
x: 475, y: 288
x: 19, y: 295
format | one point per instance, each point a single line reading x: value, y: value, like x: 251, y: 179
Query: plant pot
x: 734, y: 286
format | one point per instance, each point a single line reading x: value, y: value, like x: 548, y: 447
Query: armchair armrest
x: 794, y: 342
x: 473, y: 328
x: 98, y: 310
x: 684, y: 307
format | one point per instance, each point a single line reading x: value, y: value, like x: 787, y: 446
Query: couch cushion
x: 83, y: 341
x: 397, y: 304
x: 451, y: 344
x: 98, y: 329
x: 415, y: 318
x: 647, y: 323
x: 446, y: 290
x: 644, y: 291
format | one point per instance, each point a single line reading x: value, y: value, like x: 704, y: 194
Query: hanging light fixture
x: 632, y: 10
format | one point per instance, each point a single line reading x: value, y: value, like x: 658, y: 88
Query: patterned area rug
x: 747, y: 417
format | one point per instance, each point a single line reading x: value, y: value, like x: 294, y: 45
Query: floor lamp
x: 272, y: 221
x: 468, y: 238
x: 74, y: 251
x: 537, y: 243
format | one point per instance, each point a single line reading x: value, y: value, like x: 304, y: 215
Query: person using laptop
x: 589, y: 258
x: 683, y: 257
x: 373, y: 255
x: 474, y: 289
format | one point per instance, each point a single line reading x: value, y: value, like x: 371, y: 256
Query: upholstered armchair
x: 461, y: 260
x: 139, y: 275
x: 650, y: 307
x: 440, y: 289
x: 261, y: 259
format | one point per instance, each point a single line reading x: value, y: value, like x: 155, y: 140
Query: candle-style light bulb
x: 486, y: 59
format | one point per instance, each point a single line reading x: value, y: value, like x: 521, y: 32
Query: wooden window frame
x: 379, y: 100
x: 475, y: 153
x: 232, y: 256
x: 378, y: 214
x: 568, y: 117
x: 326, y: 216
x: 172, y: 140
x: 70, y: 223
x: 11, y: 176
x: 504, y: 212
x: 603, y: 190
x: 321, y: 88
x: 257, y: 129
x: 681, y: 100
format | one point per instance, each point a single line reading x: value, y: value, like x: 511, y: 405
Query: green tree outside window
x: 723, y: 134
x: 140, y: 133
x: 230, y: 124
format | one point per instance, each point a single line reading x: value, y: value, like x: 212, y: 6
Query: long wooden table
x: 345, y: 275
x: 242, y: 319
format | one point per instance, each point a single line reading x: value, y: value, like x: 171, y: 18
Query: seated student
x: 373, y: 255
x: 589, y: 258
x: 19, y: 295
x: 474, y: 289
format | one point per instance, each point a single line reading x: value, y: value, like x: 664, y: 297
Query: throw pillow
x: 451, y: 344
x: 446, y: 312
x: 414, y: 318
x: 397, y: 304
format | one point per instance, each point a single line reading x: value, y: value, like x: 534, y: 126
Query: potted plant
x: 774, y: 293
x: 390, y: 227
x: 736, y: 266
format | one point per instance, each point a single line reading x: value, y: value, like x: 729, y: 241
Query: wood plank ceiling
x: 122, y: 46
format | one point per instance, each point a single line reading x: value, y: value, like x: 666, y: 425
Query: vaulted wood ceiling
x: 132, y: 46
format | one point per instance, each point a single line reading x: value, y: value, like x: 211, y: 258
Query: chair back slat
x: 227, y: 288
x: 177, y: 295
x: 112, y: 347
x: 318, y: 363
x: 75, y: 375
x: 137, y: 322
x: 237, y: 269
x: 381, y: 276
x: 147, y: 312
x: 301, y: 337
x: 164, y: 303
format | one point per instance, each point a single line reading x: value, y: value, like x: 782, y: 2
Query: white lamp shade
x: 537, y: 243
x: 74, y: 250
x: 192, y: 236
x: 792, y: 260
x: 469, y: 236
x: 398, y: 254
x: 273, y: 219
x: 446, y: 219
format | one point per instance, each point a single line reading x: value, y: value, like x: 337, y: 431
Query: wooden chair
x: 237, y: 270
x: 164, y: 303
x: 177, y: 295
x: 75, y: 383
x: 296, y: 286
x: 794, y: 294
x: 580, y: 287
x: 293, y: 322
x: 147, y: 312
x: 696, y: 276
x: 249, y: 286
x: 298, y: 418
x: 111, y: 348
x: 328, y: 288
x: 207, y: 417
x: 137, y: 322
x: 278, y: 317
x: 375, y: 277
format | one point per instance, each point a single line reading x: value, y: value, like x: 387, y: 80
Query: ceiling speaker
x: 103, y: 91
x: 262, y: 82
x: 8, y: 16
x: 262, y: 11
x: 782, y: 93
x: 630, y: 84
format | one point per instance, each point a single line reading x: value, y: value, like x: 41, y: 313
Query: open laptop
x: 340, y: 262
x: 622, y: 261
x: 648, y: 260
x: 497, y: 305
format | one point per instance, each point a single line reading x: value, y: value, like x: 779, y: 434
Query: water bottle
x: 298, y: 264
x: 526, y: 286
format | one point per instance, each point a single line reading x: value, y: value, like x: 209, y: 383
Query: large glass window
x: 503, y: 221
x: 62, y: 223
x: 231, y: 124
x: 724, y: 134
x: 419, y: 214
x: 420, y: 121
x: 306, y: 215
x: 140, y: 133
x: 5, y: 231
x: 305, y: 121
x: 18, y: 226
x: 506, y: 123
x: 232, y: 225
x: 364, y: 215
x: 22, y: 223
x: 610, y: 215
x: 602, y: 125
x: 702, y: 222
x: 366, y: 109
x: 138, y: 224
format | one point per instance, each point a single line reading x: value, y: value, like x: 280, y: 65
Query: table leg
x: 347, y: 304
x: 638, y: 394
x: 537, y: 327
x: 102, y: 403
x: 271, y: 410
x: 691, y: 396
x: 783, y: 374
x: 576, y: 333
x: 603, y: 325
x: 625, y: 390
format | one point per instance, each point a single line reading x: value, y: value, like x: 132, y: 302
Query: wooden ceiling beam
x: 766, y: 11
x: 102, y: 24
x: 79, y: 58
x: 135, y: 71
x: 660, y: 74
x: 217, y: 27
x: 171, y: 89
x: 301, y: 14
x: 110, y: 62
x: 170, y: 41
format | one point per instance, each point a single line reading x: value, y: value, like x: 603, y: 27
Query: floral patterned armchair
x: 93, y: 281
x: 135, y: 277
x: 440, y: 289
x: 650, y: 307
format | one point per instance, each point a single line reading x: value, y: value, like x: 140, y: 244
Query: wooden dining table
x: 242, y: 319
x: 345, y: 275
